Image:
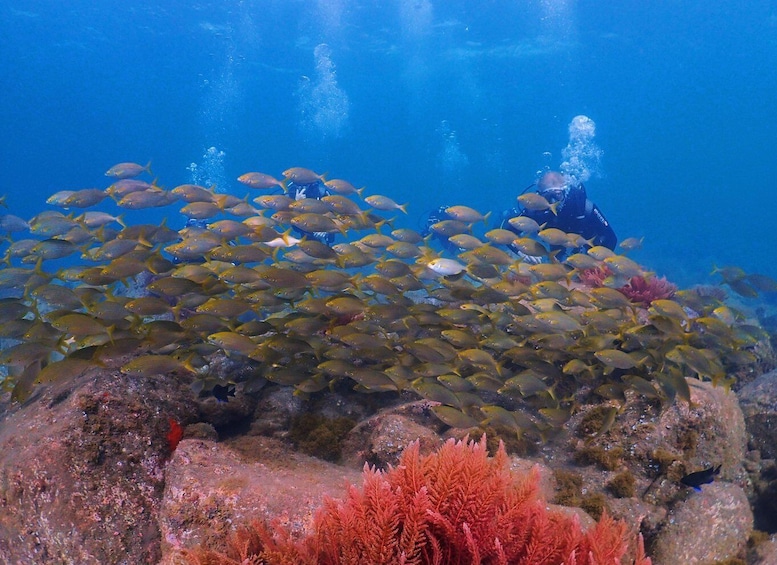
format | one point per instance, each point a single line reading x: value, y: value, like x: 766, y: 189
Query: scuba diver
x: 574, y: 212
x: 317, y: 190
x: 434, y: 217
x: 570, y: 211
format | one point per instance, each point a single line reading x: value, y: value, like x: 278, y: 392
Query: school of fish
x: 490, y: 338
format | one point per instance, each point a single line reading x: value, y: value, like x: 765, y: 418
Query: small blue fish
x: 695, y: 480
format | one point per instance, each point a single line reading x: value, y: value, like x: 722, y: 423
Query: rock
x: 711, y: 432
x: 547, y: 484
x: 707, y: 527
x: 659, y: 445
x: 238, y: 408
x: 765, y: 553
x: 201, y: 430
x: 82, y: 469
x: 236, y: 412
x: 211, y: 485
x: 758, y: 400
x: 275, y: 412
x: 380, y: 440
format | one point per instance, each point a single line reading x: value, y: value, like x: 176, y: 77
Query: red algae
x: 175, y: 435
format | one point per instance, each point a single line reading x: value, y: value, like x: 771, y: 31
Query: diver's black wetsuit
x: 575, y: 214
x: 435, y: 216
x: 316, y: 190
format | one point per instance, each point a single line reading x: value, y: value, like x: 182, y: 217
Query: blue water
x: 428, y: 102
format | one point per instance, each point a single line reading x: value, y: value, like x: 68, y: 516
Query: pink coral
x: 647, y: 289
x: 594, y: 277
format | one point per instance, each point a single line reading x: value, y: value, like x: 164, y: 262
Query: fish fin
x: 38, y: 270
x: 187, y: 363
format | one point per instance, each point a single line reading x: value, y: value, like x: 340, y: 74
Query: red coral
x: 640, y: 289
x: 175, y: 435
x: 455, y: 506
x: 647, y: 289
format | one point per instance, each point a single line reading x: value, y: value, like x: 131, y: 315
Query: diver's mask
x: 554, y: 193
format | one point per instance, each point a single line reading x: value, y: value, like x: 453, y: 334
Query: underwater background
x: 431, y: 103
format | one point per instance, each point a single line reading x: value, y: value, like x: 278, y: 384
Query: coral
x: 646, y: 289
x: 594, y: 277
x: 454, y: 506
x: 255, y: 544
x: 639, y: 289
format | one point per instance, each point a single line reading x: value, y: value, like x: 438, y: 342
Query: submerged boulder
x: 759, y: 404
x: 82, y: 469
x: 710, y: 526
x: 211, y: 487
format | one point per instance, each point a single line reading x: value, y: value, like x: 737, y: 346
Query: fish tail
x: 187, y: 363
